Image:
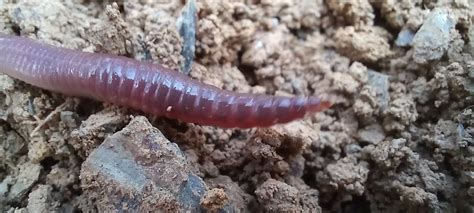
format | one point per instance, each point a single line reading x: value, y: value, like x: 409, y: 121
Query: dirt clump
x: 278, y: 196
x: 367, y: 44
x: 40, y: 200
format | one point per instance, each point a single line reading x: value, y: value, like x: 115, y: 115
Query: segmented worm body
x: 145, y: 86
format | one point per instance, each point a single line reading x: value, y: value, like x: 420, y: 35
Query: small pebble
x: 381, y: 84
x: 405, y: 38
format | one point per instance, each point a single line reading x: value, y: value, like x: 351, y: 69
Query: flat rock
x: 27, y: 177
x: 380, y: 82
x: 137, y: 169
x: 431, y: 41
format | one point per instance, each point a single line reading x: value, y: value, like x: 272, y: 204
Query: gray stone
x: 431, y: 41
x: 381, y: 84
x: 29, y: 174
x: 137, y: 169
x: 405, y: 38
x: 187, y: 30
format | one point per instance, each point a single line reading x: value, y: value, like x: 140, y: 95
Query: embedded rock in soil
x: 432, y: 40
x: 23, y: 182
x: 380, y: 82
x: 138, y: 169
x: 11, y: 147
x: 405, y: 38
x: 187, y: 30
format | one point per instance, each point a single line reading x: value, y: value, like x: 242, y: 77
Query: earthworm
x: 145, y: 86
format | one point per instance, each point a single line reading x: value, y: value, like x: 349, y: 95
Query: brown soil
x: 398, y: 138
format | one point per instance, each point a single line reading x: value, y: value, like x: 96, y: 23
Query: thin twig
x: 49, y: 117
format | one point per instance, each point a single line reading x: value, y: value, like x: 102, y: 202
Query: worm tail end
x: 318, y: 104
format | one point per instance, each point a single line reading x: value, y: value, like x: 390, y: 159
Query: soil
x: 399, y: 137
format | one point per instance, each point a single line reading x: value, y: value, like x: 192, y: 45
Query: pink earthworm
x: 145, y: 86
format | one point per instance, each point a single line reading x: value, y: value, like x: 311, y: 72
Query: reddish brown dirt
x: 399, y: 137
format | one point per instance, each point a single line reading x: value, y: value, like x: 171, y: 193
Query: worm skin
x: 145, y: 86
